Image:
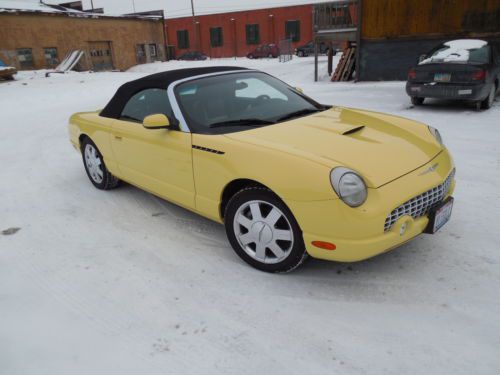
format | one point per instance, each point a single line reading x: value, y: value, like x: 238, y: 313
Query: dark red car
x: 264, y: 50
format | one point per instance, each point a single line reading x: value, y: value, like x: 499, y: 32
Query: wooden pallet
x: 345, y: 67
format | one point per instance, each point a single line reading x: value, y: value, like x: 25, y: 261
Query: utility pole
x: 92, y: 5
x: 194, y: 27
x: 133, y: 5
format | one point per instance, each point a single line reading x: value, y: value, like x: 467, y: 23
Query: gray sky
x: 179, y: 8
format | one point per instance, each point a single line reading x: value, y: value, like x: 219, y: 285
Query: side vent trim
x: 208, y: 150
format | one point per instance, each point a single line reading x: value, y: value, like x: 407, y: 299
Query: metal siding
x: 403, y: 18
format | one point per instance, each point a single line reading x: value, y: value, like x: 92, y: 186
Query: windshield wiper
x: 299, y: 113
x: 241, y: 122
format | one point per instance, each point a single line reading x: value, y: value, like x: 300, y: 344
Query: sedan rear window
x: 460, y: 51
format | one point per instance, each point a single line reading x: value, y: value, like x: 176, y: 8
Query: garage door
x: 101, y: 56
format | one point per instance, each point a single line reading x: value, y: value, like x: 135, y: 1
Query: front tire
x: 263, y: 231
x: 94, y: 165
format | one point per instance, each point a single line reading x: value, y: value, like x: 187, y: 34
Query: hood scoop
x: 354, y: 129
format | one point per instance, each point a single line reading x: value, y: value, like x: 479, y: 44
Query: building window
x: 292, y: 30
x: 25, y: 58
x: 140, y: 53
x: 182, y: 39
x: 253, y: 36
x: 51, y: 59
x: 216, y: 36
x: 152, y: 50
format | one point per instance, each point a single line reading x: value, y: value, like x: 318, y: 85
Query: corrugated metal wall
x: 400, y: 18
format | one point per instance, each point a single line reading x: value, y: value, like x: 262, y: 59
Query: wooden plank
x: 404, y: 18
x: 340, y: 67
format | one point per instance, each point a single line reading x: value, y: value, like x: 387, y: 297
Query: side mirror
x: 299, y: 89
x: 422, y: 58
x: 158, y: 121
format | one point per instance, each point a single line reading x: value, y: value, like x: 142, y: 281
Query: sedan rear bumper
x: 448, y: 91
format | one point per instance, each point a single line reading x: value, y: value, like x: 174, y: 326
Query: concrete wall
x: 271, y: 23
x: 38, y: 31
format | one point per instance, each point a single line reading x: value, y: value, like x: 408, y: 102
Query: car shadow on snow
x: 408, y: 258
x: 450, y: 106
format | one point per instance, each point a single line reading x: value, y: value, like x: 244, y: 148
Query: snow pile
x: 456, y: 51
x: 121, y: 282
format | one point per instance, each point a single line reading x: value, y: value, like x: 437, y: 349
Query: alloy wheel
x: 263, y: 231
x: 93, y: 163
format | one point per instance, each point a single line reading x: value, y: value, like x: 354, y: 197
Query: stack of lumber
x: 346, y: 65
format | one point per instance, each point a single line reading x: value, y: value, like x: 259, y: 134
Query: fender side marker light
x: 324, y: 245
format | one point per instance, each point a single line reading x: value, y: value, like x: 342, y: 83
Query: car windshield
x: 236, y: 101
x: 460, y: 51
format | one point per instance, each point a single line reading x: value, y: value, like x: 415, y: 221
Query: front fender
x: 289, y: 176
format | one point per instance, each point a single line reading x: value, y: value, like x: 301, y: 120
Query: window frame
x: 216, y: 37
x: 23, y: 64
x: 256, y: 33
x: 194, y: 128
x: 289, y: 30
x: 53, y: 61
x: 168, y: 106
x: 183, y: 41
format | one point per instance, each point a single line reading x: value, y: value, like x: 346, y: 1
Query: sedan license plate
x: 442, y: 77
x: 440, y: 216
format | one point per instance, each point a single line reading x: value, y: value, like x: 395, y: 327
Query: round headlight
x: 435, y: 133
x: 349, y: 186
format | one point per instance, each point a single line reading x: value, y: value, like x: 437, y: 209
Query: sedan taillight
x: 412, y: 74
x: 479, y: 75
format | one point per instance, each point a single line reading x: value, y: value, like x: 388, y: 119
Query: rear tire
x: 488, y: 102
x: 300, y: 53
x: 417, y: 101
x: 263, y: 231
x: 94, y: 165
x: 250, y: 56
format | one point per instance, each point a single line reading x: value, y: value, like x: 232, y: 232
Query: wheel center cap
x: 262, y: 232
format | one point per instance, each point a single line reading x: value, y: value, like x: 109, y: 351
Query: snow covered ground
x: 122, y: 282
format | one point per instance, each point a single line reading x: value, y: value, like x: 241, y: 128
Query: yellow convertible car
x: 287, y: 176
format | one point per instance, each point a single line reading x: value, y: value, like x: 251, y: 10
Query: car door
x: 158, y: 160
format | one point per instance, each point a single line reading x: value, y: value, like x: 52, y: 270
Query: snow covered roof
x: 31, y: 6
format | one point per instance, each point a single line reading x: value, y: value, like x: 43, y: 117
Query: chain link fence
x: 286, y: 50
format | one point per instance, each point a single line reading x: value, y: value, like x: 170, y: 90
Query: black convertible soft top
x: 155, y: 81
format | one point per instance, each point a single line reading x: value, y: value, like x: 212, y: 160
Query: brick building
x: 37, y: 36
x: 237, y: 33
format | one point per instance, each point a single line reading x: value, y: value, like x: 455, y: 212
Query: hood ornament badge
x: 432, y: 168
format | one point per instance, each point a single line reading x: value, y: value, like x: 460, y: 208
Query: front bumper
x: 358, y: 233
x: 448, y: 91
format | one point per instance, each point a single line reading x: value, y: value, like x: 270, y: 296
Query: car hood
x: 378, y: 146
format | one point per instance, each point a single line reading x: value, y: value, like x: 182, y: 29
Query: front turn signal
x: 324, y: 245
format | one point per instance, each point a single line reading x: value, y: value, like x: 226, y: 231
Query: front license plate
x: 442, y: 77
x: 440, y: 216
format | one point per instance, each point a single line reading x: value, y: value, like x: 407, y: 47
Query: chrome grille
x: 421, y: 204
